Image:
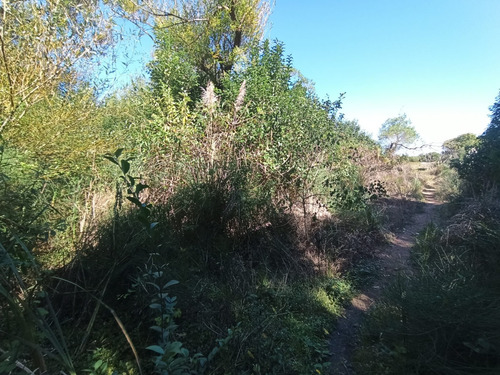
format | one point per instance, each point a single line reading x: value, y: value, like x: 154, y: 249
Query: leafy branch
x: 134, y: 188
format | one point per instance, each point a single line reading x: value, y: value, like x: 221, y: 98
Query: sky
x: 438, y: 61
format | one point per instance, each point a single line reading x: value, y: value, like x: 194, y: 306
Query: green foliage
x: 347, y: 192
x: 202, y: 40
x: 284, y: 327
x: 173, y: 70
x: 171, y: 357
x: 444, y: 318
x: 36, y: 69
x: 397, y: 133
x: 449, y: 183
x: 430, y: 157
x: 34, y: 208
x: 454, y: 150
x: 231, y: 138
x: 63, y: 136
x: 133, y: 187
x: 32, y: 328
x: 480, y: 167
x: 216, y: 211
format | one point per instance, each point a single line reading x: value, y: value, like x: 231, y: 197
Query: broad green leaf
x: 111, y: 159
x: 170, y: 283
x: 125, y: 166
x: 135, y: 201
x: 140, y: 187
x: 157, y: 349
x: 156, y: 329
x: 97, y: 364
x: 118, y: 152
x: 174, y: 347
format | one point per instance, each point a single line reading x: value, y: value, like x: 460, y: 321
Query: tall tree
x: 210, y: 36
x: 456, y: 148
x: 42, y: 43
x: 397, y: 133
x: 481, y: 168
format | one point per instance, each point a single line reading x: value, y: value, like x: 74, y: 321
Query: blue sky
x: 438, y: 61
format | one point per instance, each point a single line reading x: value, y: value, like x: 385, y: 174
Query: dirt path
x: 392, y: 259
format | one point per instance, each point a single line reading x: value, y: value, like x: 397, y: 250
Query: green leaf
x: 157, y: 349
x: 135, y: 201
x: 125, y: 166
x: 111, y: 159
x: 212, y: 354
x: 42, y: 311
x: 170, y: 283
x: 174, y: 347
x: 140, y: 187
x: 97, y: 364
x: 118, y: 152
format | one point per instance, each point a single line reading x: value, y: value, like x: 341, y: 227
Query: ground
x: 392, y: 258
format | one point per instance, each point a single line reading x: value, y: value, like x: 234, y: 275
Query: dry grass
x: 405, y: 184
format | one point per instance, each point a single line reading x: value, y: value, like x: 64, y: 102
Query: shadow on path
x: 392, y: 259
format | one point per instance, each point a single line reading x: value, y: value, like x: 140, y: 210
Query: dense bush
x: 481, y: 165
x: 239, y: 154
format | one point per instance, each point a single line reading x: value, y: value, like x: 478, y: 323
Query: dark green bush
x: 481, y: 165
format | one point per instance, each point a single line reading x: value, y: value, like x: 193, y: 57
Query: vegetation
x: 43, y: 45
x: 480, y: 167
x: 397, y: 133
x: 457, y: 148
x: 218, y: 216
x: 444, y: 318
x: 214, y: 219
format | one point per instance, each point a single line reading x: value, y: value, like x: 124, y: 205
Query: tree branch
x: 415, y: 148
x: 5, y: 61
x: 181, y: 19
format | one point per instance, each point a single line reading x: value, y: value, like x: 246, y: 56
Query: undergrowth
x: 253, y: 297
x: 443, y: 319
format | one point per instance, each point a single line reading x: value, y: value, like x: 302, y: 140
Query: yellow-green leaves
x: 42, y: 46
x: 213, y: 34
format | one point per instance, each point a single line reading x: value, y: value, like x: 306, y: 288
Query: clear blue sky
x: 438, y: 61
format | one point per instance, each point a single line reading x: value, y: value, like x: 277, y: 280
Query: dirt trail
x: 392, y: 259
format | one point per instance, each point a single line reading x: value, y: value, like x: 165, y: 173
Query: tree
x: 397, y: 133
x: 457, y: 148
x: 481, y: 168
x: 43, y: 45
x: 207, y: 36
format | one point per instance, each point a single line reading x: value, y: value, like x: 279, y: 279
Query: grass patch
x: 444, y: 319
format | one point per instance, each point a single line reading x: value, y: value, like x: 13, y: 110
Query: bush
x: 481, y: 165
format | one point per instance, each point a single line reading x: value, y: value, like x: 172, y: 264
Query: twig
x: 20, y: 365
